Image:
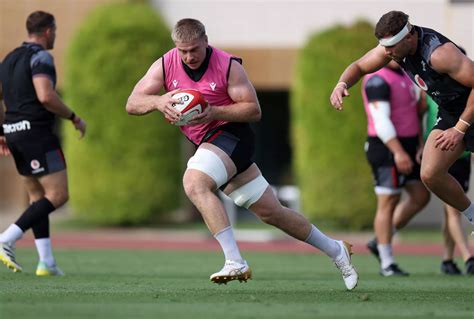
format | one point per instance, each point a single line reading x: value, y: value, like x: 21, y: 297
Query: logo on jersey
x: 213, y: 85
x: 419, y: 81
x: 423, y: 66
x: 175, y: 83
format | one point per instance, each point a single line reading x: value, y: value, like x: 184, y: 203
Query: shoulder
x: 377, y: 89
x: 42, y: 57
x: 446, y: 57
x: 376, y: 81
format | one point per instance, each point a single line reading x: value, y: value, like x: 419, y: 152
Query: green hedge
x: 330, y: 162
x: 127, y: 170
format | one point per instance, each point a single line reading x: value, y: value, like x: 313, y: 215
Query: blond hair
x: 188, y: 30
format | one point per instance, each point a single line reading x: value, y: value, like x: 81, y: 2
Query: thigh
x: 436, y: 160
x: 54, y: 182
x: 241, y: 179
x: 33, y: 187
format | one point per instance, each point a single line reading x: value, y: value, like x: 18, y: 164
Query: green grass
x: 158, y: 284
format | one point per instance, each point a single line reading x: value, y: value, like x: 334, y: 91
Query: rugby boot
x: 449, y: 267
x: 344, y: 263
x: 232, y: 270
x: 393, y: 270
x: 470, y: 266
x: 45, y: 270
x: 7, y: 256
x: 372, y: 246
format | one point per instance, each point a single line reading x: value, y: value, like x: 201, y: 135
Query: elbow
x: 45, y: 99
x: 129, y: 107
x: 256, y: 114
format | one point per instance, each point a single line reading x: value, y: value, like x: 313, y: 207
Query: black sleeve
x: 43, y: 63
x: 377, y: 89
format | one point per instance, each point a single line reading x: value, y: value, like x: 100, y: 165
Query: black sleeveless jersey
x: 445, y: 91
x: 19, y: 94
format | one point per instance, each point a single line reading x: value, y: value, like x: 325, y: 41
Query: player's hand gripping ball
x: 192, y: 103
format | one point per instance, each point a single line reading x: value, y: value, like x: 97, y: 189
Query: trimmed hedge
x: 330, y: 164
x: 127, y: 170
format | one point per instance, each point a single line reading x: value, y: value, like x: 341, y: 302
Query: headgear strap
x: 388, y: 42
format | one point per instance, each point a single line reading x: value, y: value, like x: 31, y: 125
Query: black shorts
x: 237, y: 140
x: 383, y: 166
x: 36, y: 153
x: 461, y: 171
x: 447, y: 120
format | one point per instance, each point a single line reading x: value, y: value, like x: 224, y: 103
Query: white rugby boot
x: 7, y: 256
x: 232, y: 270
x: 344, y: 263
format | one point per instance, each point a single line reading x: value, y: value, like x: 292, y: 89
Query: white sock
x: 11, y: 234
x: 45, y: 251
x: 229, y: 246
x: 386, y: 256
x: 469, y: 213
x: 328, y: 245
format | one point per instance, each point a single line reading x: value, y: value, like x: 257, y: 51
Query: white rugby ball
x: 192, y: 103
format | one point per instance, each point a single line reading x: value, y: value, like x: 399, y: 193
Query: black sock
x: 41, y: 229
x: 35, y: 214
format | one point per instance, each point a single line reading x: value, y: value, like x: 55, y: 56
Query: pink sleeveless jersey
x: 403, y: 103
x: 212, y: 85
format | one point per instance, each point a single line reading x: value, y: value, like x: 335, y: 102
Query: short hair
x: 39, y: 21
x: 188, y: 30
x: 390, y: 24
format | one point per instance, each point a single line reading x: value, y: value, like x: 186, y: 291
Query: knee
x: 268, y: 216
x: 58, y: 197
x: 429, y: 176
x: 192, y: 188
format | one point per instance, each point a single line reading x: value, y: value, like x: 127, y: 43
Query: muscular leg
x: 417, y: 198
x: 53, y: 187
x: 434, y: 173
x: 448, y: 242
x: 200, y: 188
x: 386, y: 204
x: 270, y: 211
x: 455, y: 234
x: 268, y: 208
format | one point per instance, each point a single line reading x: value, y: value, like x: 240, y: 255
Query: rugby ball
x: 192, y: 103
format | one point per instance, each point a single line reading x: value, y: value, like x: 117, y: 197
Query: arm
x: 449, y: 60
x: 245, y: 108
x: 50, y: 99
x: 369, y: 63
x: 144, y: 98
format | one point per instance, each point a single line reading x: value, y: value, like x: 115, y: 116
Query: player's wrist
x: 341, y: 84
x: 459, y: 130
x: 462, y: 126
x: 72, y: 116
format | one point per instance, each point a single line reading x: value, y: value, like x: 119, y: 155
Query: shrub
x: 127, y: 169
x: 330, y: 164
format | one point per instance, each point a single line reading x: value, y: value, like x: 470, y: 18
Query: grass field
x: 163, y: 284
